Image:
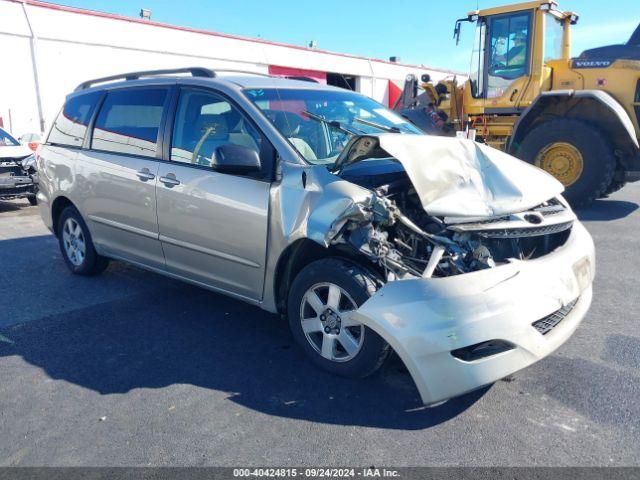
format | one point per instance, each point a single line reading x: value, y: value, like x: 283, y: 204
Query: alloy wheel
x: 74, y: 242
x: 325, y: 313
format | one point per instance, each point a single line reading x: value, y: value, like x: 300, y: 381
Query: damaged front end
x: 485, y: 268
x: 396, y: 235
x: 394, y: 229
x: 18, y: 177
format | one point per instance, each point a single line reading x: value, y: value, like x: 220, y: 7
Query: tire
x: 33, y: 201
x: 356, y: 285
x: 74, y: 236
x: 598, y: 160
x: 614, y: 186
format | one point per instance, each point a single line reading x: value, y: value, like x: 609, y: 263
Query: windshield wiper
x: 385, y: 128
x: 331, y: 123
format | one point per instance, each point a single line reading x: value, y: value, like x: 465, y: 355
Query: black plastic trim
x: 551, y: 321
x: 482, y: 350
x: 194, y: 71
x: 88, y: 138
x: 504, y: 111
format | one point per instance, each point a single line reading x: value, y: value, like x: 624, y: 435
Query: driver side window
x: 509, y: 46
x: 203, y: 123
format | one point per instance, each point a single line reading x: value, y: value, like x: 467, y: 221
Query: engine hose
x: 435, y: 239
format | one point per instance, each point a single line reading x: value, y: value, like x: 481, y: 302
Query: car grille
x: 548, y: 323
x: 526, y: 232
x: 552, y: 207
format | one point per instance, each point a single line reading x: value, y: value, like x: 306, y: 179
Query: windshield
x: 319, y: 123
x: 7, y: 140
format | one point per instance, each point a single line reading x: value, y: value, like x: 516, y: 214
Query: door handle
x: 513, y: 94
x: 145, y: 174
x: 170, y: 180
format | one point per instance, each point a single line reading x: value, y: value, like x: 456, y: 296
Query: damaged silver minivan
x: 322, y: 205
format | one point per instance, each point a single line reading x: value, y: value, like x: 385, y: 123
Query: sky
x: 419, y: 32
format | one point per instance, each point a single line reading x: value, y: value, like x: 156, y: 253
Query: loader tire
x: 614, y: 186
x: 576, y: 153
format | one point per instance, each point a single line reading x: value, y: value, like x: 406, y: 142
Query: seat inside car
x: 238, y: 130
x: 209, y: 132
x: 289, y: 125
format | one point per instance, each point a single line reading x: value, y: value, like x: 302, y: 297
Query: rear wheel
x: 76, y: 244
x: 320, y: 303
x: 32, y: 200
x: 575, y: 153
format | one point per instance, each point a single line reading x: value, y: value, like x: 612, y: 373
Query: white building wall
x: 71, y: 46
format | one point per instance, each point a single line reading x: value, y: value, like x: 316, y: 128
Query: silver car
x: 324, y: 206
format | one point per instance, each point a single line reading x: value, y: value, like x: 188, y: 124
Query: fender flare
x: 545, y: 100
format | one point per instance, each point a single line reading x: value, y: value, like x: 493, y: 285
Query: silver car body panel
x: 118, y: 205
x: 308, y: 202
x: 213, y: 227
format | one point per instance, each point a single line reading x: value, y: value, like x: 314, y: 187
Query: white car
x: 17, y: 170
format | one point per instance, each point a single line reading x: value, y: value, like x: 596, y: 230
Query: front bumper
x: 424, y: 320
x: 16, y: 187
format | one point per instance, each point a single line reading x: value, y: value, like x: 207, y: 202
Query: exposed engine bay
x: 394, y: 231
x: 396, y: 234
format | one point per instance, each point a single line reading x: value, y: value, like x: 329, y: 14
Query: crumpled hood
x: 459, y: 177
x: 17, y: 151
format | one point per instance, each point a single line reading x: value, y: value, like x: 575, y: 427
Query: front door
x: 213, y: 226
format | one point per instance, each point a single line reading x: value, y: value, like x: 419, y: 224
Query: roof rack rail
x: 248, y: 72
x: 194, y: 71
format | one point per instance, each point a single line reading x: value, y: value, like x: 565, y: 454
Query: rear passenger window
x: 129, y: 121
x: 70, y: 127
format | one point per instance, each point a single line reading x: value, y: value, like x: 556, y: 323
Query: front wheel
x: 575, y: 153
x: 322, y: 298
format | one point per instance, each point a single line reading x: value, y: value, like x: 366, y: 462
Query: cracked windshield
x: 319, y: 123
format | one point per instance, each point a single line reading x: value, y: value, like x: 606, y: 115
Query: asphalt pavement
x: 131, y: 368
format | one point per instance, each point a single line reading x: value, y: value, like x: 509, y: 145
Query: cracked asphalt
x: 130, y: 368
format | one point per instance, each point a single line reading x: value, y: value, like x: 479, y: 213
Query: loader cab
x: 509, y: 42
x: 511, y: 47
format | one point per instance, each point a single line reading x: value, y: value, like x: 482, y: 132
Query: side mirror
x: 236, y: 159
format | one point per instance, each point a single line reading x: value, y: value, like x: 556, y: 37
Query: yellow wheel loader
x: 577, y: 118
